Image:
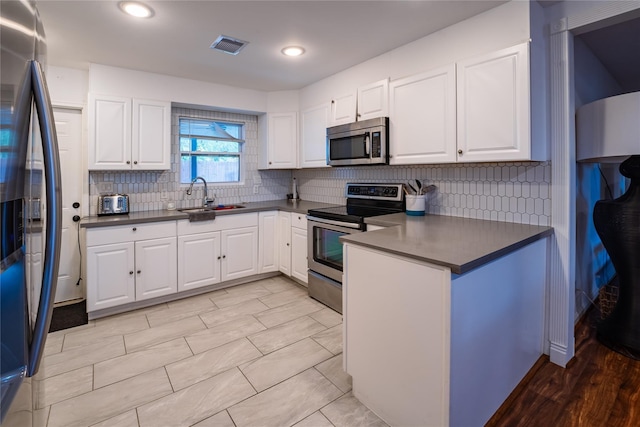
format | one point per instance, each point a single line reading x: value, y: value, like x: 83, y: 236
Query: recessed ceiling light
x: 293, y: 50
x: 137, y: 9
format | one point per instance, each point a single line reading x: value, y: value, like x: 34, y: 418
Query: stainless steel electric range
x: 326, y: 225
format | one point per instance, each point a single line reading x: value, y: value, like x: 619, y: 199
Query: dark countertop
x: 461, y: 244
x: 298, y: 206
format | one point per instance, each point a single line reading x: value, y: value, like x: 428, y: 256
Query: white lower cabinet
x: 111, y: 277
x: 292, y: 245
x: 299, y: 262
x: 155, y: 268
x: 239, y: 252
x: 268, y: 258
x: 210, y: 252
x: 130, y: 263
x: 198, y: 264
x: 284, y: 242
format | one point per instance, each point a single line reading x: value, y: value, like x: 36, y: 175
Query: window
x: 210, y: 149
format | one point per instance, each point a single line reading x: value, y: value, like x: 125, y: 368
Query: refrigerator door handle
x: 54, y: 215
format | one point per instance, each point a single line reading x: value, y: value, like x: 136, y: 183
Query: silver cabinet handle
x: 54, y: 215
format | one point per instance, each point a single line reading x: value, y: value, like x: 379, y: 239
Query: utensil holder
x: 416, y: 204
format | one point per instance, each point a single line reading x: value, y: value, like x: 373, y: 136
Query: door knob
x: 459, y: 151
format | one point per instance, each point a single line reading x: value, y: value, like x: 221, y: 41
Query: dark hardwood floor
x: 599, y: 388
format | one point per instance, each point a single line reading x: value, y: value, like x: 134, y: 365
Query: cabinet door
x: 493, y: 106
x: 156, y: 268
x: 423, y: 118
x: 198, y: 260
x: 268, y: 242
x: 284, y: 242
x: 283, y: 140
x: 299, y: 262
x: 239, y: 249
x: 314, y: 136
x: 151, y: 141
x: 373, y: 100
x: 110, y: 275
x: 343, y: 109
x: 109, y: 132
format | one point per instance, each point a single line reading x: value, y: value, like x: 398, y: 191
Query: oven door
x: 325, y: 248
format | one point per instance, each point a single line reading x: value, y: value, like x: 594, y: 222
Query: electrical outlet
x: 256, y: 189
x: 105, y: 187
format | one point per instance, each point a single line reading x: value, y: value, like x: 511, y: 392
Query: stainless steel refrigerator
x: 29, y: 182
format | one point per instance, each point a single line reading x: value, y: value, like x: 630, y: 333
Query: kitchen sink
x: 200, y: 214
x: 207, y: 213
x: 226, y: 207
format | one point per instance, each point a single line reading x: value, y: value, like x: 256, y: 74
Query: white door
x: 198, y: 260
x: 151, y: 140
x: 422, y: 117
x: 111, y: 275
x: 314, y: 123
x: 299, y: 261
x: 69, y: 131
x: 284, y: 242
x: 239, y: 252
x: 493, y: 106
x: 268, y: 241
x: 373, y: 100
x: 156, y: 268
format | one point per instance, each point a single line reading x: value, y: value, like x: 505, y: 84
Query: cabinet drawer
x: 130, y: 233
x: 299, y: 220
x: 222, y: 222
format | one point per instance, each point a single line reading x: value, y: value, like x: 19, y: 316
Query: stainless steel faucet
x: 205, y: 200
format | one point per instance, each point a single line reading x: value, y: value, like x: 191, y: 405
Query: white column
x: 561, y: 295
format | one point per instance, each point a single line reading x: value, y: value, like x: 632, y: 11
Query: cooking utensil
x: 429, y: 189
x: 419, y: 184
x: 412, y: 187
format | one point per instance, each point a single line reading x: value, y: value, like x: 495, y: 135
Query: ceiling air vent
x: 229, y: 45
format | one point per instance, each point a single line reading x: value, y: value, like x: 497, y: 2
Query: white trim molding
x: 580, y: 17
x: 563, y: 179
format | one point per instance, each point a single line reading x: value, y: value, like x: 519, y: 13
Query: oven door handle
x: 333, y: 222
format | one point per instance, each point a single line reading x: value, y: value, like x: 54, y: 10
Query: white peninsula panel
x: 431, y: 348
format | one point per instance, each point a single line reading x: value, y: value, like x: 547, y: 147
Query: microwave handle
x: 367, y: 143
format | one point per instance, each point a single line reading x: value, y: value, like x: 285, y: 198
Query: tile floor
x: 259, y: 354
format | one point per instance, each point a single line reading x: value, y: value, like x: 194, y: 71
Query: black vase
x: 617, y: 222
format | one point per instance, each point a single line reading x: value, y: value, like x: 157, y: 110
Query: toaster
x: 113, y: 204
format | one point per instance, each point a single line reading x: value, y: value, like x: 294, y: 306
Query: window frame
x: 195, y: 154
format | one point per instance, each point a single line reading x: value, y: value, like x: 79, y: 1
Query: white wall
x: 108, y: 80
x: 67, y: 86
x: 592, y: 81
x: 501, y: 27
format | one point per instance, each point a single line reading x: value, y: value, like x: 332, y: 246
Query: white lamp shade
x: 608, y: 130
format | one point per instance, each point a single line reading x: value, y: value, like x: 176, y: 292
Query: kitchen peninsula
x: 443, y: 316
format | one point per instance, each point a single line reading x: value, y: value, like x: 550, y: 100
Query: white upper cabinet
x: 493, y: 119
x: 476, y: 110
x: 343, y: 109
x: 367, y: 102
x: 129, y: 134
x: 278, y: 140
x: 151, y: 138
x: 422, y: 116
x: 313, y: 144
x: 373, y: 100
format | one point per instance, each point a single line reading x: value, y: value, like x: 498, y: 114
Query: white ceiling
x: 336, y: 34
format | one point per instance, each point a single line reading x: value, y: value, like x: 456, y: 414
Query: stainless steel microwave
x: 359, y: 143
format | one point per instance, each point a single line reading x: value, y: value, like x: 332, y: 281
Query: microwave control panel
x: 376, y: 144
